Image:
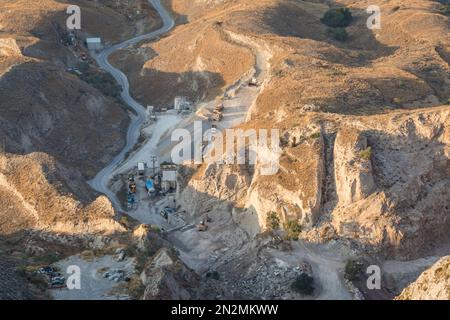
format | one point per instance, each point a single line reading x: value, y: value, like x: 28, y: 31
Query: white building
x: 94, y: 43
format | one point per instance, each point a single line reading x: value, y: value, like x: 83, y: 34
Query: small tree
x: 337, y: 18
x: 293, y: 229
x: 339, y: 34
x: 125, y: 221
x: 366, y: 154
x: 304, y: 284
x: 353, y: 269
x: 273, y: 221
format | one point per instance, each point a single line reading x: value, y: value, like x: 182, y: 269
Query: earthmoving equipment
x: 217, y: 116
x: 132, y: 187
x: 214, y: 128
x: 219, y: 107
x: 202, y: 226
x: 130, y: 199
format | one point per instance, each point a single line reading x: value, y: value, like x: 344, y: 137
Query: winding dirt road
x: 100, y: 182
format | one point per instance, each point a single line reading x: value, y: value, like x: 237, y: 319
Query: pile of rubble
x: 116, y: 275
x: 271, y: 280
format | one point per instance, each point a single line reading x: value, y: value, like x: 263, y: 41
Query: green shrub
x: 341, y: 17
x: 366, y: 154
x: 445, y: 9
x: 125, y: 221
x: 304, y: 284
x: 213, y: 275
x: 293, y: 229
x: 272, y: 221
x: 339, y: 34
x: 353, y: 269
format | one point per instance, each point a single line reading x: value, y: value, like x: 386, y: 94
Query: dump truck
x: 217, y: 116
x: 132, y: 187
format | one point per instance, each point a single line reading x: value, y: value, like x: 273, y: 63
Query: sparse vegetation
x: 293, y: 229
x: 125, y: 221
x: 366, y: 154
x: 213, y: 275
x: 353, y: 269
x: 304, y: 284
x: 339, y: 34
x: 315, y: 135
x: 397, y: 101
x: 337, y: 18
x: 104, y: 82
x: 272, y: 221
x: 47, y: 258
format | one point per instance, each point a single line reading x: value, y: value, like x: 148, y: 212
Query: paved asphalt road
x: 100, y: 182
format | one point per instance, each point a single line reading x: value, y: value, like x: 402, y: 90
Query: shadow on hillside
x: 178, y: 17
x: 160, y: 88
x: 291, y: 20
x: 365, y: 95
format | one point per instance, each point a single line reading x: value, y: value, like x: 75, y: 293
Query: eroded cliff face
x: 364, y: 127
x: 409, y: 205
x: 40, y: 194
x: 380, y: 182
x: 433, y: 284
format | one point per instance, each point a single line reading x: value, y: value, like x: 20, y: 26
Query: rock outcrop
x: 353, y: 169
x: 165, y: 277
x: 433, y: 284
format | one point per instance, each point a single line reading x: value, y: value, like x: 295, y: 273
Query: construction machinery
x: 202, y: 226
x: 132, y: 187
x: 217, y: 116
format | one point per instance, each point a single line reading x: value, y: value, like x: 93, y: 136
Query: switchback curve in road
x: 100, y: 181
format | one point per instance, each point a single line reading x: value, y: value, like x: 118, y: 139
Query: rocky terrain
x: 432, y: 284
x: 364, y: 125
